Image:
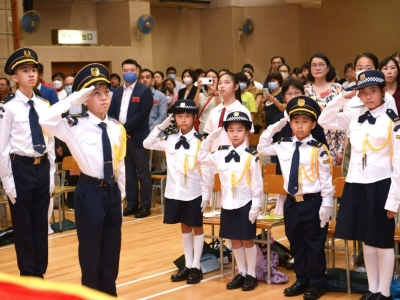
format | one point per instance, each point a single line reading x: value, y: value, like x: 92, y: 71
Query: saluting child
x: 239, y: 170
x: 371, y: 193
x: 186, y: 195
x: 98, y: 144
x: 305, y: 165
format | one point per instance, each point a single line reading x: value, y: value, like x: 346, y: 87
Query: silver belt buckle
x: 298, y: 198
x: 37, y: 160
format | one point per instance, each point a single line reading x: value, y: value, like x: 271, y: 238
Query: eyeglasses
x: 293, y: 95
x: 320, y: 65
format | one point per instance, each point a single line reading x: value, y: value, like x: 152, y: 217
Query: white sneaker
x: 50, y: 230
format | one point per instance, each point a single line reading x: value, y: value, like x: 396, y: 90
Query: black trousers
x: 307, y: 240
x: 98, y: 216
x: 29, y: 216
x: 137, y: 165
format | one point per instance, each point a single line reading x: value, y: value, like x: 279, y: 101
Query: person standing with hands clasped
x: 239, y: 169
x: 185, y: 196
x: 27, y: 163
x: 306, y: 166
x: 371, y: 193
x: 98, y: 144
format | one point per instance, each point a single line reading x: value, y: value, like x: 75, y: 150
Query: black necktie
x: 233, y: 155
x: 294, y: 171
x: 107, y: 155
x: 367, y: 116
x: 182, y: 142
x: 36, y: 130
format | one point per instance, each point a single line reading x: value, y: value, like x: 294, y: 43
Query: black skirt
x: 362, y: 216
x: 187, y: 212
x: 235, y: 224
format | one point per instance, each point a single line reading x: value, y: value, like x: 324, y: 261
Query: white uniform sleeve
x: 331, y: 118
x: 393, y: 200
x: 206, y: 158
x: 121, y: 177
x: 325, y: 178
x: 152, y: 142
x: 256, y: 182
x: 52, y: 157
x: 207, y: 181
x: 265, y: 145
x: 6, y: 174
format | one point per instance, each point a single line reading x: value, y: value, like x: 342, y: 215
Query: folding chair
x: 273, y: 184
x: 269, y: 169
x: 336, y: 172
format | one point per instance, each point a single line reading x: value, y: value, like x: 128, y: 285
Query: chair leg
x: 269, y: 255
x: 221, y: 256
x: 396, y: 251
x: 346, y: 247
x: 163, y: 182
x: 333, y: 251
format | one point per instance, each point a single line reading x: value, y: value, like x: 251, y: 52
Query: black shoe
x: 296, y: 289
x: 368, y: 296
x: 143, y: 213
x: 181, y: 275
x: 250, y: 283
x: 195, y: 276
x: 289, y: 265
x: 237, y: 282
x: 313, y: 292
x: 130, y: 211
x: 379, y: 296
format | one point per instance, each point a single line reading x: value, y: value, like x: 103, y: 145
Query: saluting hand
x: 164, y: 125
x: 350, y: 94
x: 78, y: 98
x: 215, y: 134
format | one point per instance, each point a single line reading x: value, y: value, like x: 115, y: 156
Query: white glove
x: 164, y: 125
x: 78, y: 98
x: 276, y: 127
x: 324, y: 214
x: 285, y: 114
x: 12, y: 195
x: 253, y: 214
x: 51, y: 188
x: 214, y: 134
x: 203, y: 205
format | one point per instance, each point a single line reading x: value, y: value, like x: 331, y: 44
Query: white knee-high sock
x: 240, y: 257
x: 371, y: 264
x: 198, y: 250
x: 385, y: 266
x: 187, y: 240
x: 251, y: 257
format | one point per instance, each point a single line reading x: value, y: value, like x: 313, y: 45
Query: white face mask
x: 169, y: 99
x: 285, y: 75
x: 57, y: 84
x: 188, y: 80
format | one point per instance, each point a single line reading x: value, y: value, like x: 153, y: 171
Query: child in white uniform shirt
x: 305, y: 165
x: 371, y: 193
x: 238, y: 167
x: 185, y: 196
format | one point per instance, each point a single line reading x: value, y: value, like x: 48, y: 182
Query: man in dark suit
x: 46, y: 92
x: 131, y: 105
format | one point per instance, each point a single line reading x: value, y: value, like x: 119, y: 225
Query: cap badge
x: 301, y: 102
x: 27, y: 54
x: 182, y: 105
x: 362, y: 76
x: 95, y: 72
x: 236, y: 114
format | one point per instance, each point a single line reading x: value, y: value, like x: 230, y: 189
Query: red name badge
x: 135, y: 99
x: 155, y: 101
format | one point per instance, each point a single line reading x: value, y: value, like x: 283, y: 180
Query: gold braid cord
x: 186, y: 161
x: 246, y: 169
x: 366, y: 143
x: 119, y: 152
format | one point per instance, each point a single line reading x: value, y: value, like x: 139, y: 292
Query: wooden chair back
x: 269, y: 169
x: 217, y: 183
x: 336, y: 172
x: 273, y: 184
x: 338, y: 184
x: 254, y: 138
x: 69, y: 164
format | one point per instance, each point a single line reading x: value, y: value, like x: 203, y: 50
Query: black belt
x: 92, y: 180
x: 304, y: 197
x: 29, y: 160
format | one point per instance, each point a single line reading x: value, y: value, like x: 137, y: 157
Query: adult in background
x: 68, y: 82
x: 131, y: 105
x: 47, y: 92
x: 390, y: 67
x: 58, y: 83
x: 284, y: 69
x: 258, y: 96
x: 349, y: 75
x: 323, y: 91
x: 170, y: 83
x: 189, y: 77
x: 249, y: 67
x: 273, y: 101
x: 396, y: 56
x: 158, y: 112
x: 171, y: 73
x: 276, y: 61
x: 305, y: 70
x: 115, y: 81
x: 158, y: 79
x: 5, y: 88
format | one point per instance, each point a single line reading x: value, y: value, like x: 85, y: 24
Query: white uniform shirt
x: 242, y: 192
x: 126, y: 98
x: 177, y: 186
x: 213, y: 120
x: 378, y: 165
x: 285, y: 149
x: 84, y: 140
x: 15, y: 135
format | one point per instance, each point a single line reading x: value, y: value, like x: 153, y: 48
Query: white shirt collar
x: 23, y: 97
x: 131, y: 87
x: 304, y: 141
x: 96, y: 120
x: 188, y: 135
x: 239, y: 149
x: 230, y: 107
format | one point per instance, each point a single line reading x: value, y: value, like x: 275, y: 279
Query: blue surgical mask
x: 129, y: 77
x: 172, y: 76
x: 242, y: 86
x: 273, y: 85
x: 68, y: 89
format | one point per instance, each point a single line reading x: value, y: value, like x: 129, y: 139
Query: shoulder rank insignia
x: 9, y: 97
x: 285, y: 139
x: 391, y: 114
x: 396, y: 128
x: 199, y: 136
x: 168, y: 134
x: 323, y: 153
x: 314, y: 143
x: 224, y: 147
x: 251, y: 150
x: 73, y: 119
x: 1, y: 101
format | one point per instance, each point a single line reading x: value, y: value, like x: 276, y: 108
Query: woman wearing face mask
x: 323, y: 91
x: 207, y: 100
x: 169, y: 94
x: 390, y: 67
x: 273, y: 102
x: 285, y: 71
x: 170, y: 83
x: 189, y: 77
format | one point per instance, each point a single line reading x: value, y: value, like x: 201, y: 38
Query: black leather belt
x: 305, y: 197
x: 29, y: 160
x: 92, y: 180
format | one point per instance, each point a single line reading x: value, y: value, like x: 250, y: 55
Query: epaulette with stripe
x: 314, y: 143
x: 251, y: 150
x: 200, y: 136
x: 224, y: 147
x: 392, y: 115
x: 9, y: 97
x: 285, y: 139
x: 1, y: 101
x: 73, y: 119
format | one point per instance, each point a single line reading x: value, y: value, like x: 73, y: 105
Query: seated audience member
x: 285, y: 71
x: 189, y: 78
x: 390, y: 68
x: 249, y: 67
x: 248, y: 100
x: 158, y: 80
x: 58, y: 83
x: 115, y: 81
x: 171, y: 73
x: 349, y: 75
x: 46, y: 92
